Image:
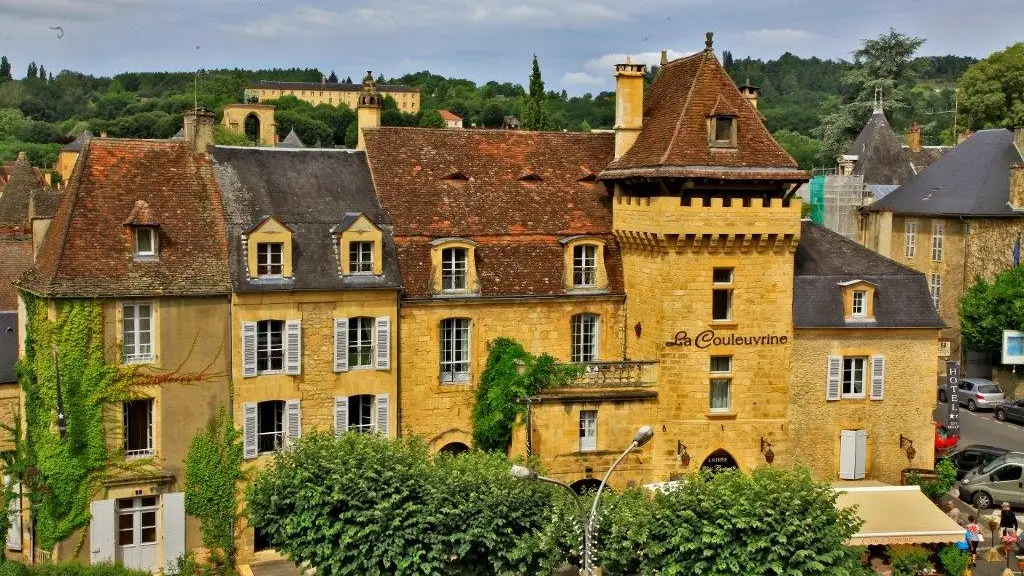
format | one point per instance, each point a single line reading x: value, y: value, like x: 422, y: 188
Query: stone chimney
x: 964, y: 136
x: 1016, y: 199
x: 629, y: 105
x: 103, y: 133
x: 664, y: 57
x: 1018, y: 139
x: 913, y: 138
x: 198, y: 126
x: 367, y: 110
x: 750, y: 92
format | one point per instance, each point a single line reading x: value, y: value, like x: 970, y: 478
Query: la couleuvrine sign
x: 706, y: 338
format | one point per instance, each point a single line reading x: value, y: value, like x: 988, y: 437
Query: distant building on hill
x: 450, y: 120
x: 334, y: 93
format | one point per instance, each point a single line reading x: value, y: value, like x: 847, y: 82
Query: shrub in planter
x: 954, y: 561
x: 908, y: 560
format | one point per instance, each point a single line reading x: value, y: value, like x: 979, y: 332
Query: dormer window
x: 584, y: 266
x: 858, y: 300
x: 269, y: 260
x: 454, y: 269
x: 360, y: 257
x: 859, y: 303
x: 724, y: 135
x: 145, y: 243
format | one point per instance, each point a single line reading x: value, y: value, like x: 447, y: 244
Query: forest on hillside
x: 811, y: 105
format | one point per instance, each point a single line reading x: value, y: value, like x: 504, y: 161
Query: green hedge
x: 9, y: 568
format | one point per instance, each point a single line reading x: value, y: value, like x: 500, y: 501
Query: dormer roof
x: 141, y: 215
x: 291, y: 141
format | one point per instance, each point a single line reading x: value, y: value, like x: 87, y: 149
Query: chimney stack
x: 103, y: 133
x: 367, y: 110
x: 1018, y: 139
x: 664, y: 57
x: 1016, y: 199
x: 198, y: 124
x: 913, y: 138
x: 750, y: 92
x: 629, y: 105
x: 964, y: 136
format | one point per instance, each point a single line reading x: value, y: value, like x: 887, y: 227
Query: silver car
x: 1001, y: 480
x: 979, y: 393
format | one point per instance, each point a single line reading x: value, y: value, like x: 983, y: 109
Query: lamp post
x: 643, y: 436
x: 524, y: 473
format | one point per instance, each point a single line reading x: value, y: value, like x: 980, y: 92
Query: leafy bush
x: 907, y: 559
x: 954, y: 561
x: 944, y: 481
x: 10, y: 568
x: 213, y: 470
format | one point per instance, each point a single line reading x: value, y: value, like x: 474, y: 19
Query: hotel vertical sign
x: 953, y: 395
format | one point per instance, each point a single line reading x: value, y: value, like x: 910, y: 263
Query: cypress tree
x: 535, y: 114
x: 5, y: 68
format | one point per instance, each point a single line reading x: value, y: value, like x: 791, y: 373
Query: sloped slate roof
x: 16, y: 193
x: 311, y: 191
x: 516, y: 222
x: 79, y: 143
x: 881, y: 158
x: 925, y: 156
x: 88, y: 249
x: 291, y: 141
x: 824, y: 259
x: 674, y: 138
x: 972, y: 179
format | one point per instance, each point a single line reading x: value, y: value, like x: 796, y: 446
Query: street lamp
x: 524, y: 473
x: 643, y: 436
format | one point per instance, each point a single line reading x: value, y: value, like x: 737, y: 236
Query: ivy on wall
x: 213, y: 469
x: 502, y: 387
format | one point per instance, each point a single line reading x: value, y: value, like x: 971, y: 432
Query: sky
x: 576, y: 41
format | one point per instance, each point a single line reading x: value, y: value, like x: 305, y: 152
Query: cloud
x: 581, y: 79
x: 779, y: 35
x: 589, y: 12
x: 605, y: 64
x: 61, y: 10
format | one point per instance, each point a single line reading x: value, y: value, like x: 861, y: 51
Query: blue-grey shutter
x: 102, y: 531
x: 248, y: 349
x: 340, y: 344
x: 250, y: 448
x: 383, y: 343
x: 833, y: 383
x: 174, y: 530
x: 877, y: 377
x: 340, y: 415
x: 293, y: 347
x: 383, y: 414
x: 293, y: 421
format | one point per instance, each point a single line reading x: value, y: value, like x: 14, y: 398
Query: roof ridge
x: 686, y: 105
x: 75, y: 182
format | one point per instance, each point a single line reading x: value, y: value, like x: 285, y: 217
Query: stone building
x: 407, y: 98
x: 956, y: 221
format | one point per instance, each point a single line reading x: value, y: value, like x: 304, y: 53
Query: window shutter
x: 862, y: 453
x: 250, y: 448
x: 14, y: 513
x: 174, y: 530
x: 847, y: 454
x: 835, y: 373
x: 340, y: 344
x: 293, y: 423
x: 383, y: 343
x: 384, y: 414
x: 293, y: 347
x: 340, y: 415
x: 102, y: 530
x: 877, y: 377
x: 248, y: 349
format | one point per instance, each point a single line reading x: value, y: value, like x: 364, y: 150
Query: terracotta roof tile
x: 88, y: 249
x: 516, y: 223
x: 674, y: 138
x: 448, y: 116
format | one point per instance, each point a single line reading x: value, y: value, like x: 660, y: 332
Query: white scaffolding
x: 843, y: 196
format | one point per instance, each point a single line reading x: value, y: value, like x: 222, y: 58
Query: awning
x: 896, y: 515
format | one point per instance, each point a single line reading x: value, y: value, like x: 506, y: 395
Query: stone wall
x: 9, y: 410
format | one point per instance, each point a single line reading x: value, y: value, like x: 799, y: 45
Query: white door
x: 136, y: 532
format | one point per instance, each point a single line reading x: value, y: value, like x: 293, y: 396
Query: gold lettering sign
x: 707, y: 338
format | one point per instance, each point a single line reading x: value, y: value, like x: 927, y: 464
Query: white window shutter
x: 384, y: 414
x: 174, y: 530
x: 14, y: 513
x: 862, y: 454
x: 248, y: 349
x: 293, y: 421
x: 293, y: 347
x: 102, y: 531
x: 250, y: 448
x: 847, y: 454
x: 340, y: 344
x: 340, y: 415
x: 877, y: 377
x: 383, y: 343
x: 835, y: 375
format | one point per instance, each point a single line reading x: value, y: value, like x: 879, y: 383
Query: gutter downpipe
x: 963, y: 290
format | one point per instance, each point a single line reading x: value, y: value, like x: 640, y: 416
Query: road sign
x: 1013, y: 347
x: 952, y: 386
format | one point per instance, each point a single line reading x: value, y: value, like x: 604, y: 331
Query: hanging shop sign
x: 708, y: 338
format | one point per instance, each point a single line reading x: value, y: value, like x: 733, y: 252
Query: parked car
x: 1010, y: 411
x: 1001, y: 480
x: 944, y: 440
x: 970, y: 457
x: 976, y: 393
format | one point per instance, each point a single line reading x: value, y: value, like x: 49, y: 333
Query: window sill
x: 457, y: 294
x: 585, y: 290
x: 139, y: 454
x: 725, y: 323
x: 139, y: 360
x: 853, y: 397
x: 147, y: 258
x: 720, y: 415
x: 270, y: 373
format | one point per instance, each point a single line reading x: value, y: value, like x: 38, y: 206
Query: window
x: 137, y: 332
x: 721, y: 384
x: 360, y: 413
x: 145, y: 242
x: 454, y: 268
x: 721, y: 298
x: 360, y: 257
x: 584, y: 338
x: 588, y: 430
x: 269, y: 346
x: 725, y: 129
x: 584, y: 266
x: 268, y: 258
x: 455, y: 350
x: 853, y: 377
x: 910, y: 244
x: 269, y: 426
x: 138, y: 428
x: 360, y: 343
x: 934, y: 287
x: 860, y: 303
x: 136, y: 521
x: 1010, y: 473
x: 938, y: 229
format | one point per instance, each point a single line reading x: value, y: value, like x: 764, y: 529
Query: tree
x: 585, y: 126
x: 224, y: 136
x: 992, y: 91
x: 535, y: 112
x: 33, y: 70
x: 12, y: 123
x: 348, y: 80
x: 727, y: 60
x: 333, y: 77
x: 5, y: 68
x: 352, y: 135
x: 805, y: 150
x: 988, y: 308
x: 431, y: 119
x: 42, y: 72
x: 380, y: 78
x: 492, y: 115
x: 884, y: 64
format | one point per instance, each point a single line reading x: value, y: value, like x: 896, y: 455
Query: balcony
x: 617, y: 374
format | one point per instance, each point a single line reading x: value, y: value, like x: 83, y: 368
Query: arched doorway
x: 720, y: 460
x: 454, y: 448
x: 252, y: 127
x: 585, y: 485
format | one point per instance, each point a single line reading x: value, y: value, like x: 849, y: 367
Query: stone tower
x: 368, y: 109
